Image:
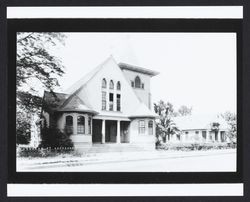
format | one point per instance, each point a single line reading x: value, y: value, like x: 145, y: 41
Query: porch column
x: 103, y: 131
x: 86, y: 124
x: 91, y: 125
x: 74, y: 124
x: 219, y: 136
x: 208, y: 136
x: 118, y: 135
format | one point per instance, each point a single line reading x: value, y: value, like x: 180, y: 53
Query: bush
x: 53, y: 137
x: 22, y: 130
x: 193, y: 146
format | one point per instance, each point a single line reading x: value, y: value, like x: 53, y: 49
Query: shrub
x: 193, y: 146
x: 53, y: 137
x: 22, y: 129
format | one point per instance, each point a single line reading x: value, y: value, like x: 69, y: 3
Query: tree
x: 36, y: 68
x: 165, y: 125
x: 184, y: 110
x: 22, y: 128
x: 231, y: 120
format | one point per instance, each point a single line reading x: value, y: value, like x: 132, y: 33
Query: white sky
x: 196, y: 69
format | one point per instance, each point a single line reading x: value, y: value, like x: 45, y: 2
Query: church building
x: 110, y: 104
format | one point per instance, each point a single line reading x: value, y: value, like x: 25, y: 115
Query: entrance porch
x: 110, y: 131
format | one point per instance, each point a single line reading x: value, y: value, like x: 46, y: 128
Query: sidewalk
x: 24, y: 164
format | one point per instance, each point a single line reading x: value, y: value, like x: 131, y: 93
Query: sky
x: 196, y: 69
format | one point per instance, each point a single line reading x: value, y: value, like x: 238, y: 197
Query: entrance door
x: 97, y: 131
x: 216, y: 136
x: 125, y: 131
x: 111, y: 131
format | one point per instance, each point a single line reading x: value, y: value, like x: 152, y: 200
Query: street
x: 193, y: 162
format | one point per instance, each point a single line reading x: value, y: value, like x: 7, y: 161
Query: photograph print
x: 126, y: 102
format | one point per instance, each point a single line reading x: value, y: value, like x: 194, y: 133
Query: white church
x: 109, y: 105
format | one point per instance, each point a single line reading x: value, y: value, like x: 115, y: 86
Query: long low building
x: 200, y: 129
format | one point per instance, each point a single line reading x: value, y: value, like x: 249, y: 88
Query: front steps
x: 113, y: 147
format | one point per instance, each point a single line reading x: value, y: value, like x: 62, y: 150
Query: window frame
x: 137, y: 82
x: 111, y: 85
x: 150, y: 127
x: 132, y: 84
x: 118, y: 85
x: 81, y: 127
x: 104, y: 100
x: 204, y: 134
x: 104, y: 83
x: 111, y: 103
x: 141, y: 129
x: 118, y: 102
x: 69, y: 127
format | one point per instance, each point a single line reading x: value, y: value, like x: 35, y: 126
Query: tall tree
x: 165, y: 126
x: 36, y: 68
x: 184, y: 110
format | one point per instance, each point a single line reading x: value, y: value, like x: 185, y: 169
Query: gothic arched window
x: 80, y: 125
x: 69, y: 124
x: 137, y: 82
x: 150, y: 127
x: 118, y: 85
x: 104, y: 83
x: 111, y: 84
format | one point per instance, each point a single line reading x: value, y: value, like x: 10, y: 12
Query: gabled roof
x: 75, y: 104
x: 64, y: 102
x: 52, y: 101
x: 137, y: 69
x: 70, y: 101
x: 81, y: 82
x: 143, y: 111
x: 199, y: 122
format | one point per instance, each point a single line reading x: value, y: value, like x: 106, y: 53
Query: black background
x: 117, y: 25
x: 7, y: 88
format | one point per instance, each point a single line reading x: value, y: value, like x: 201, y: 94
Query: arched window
x: 69, y: 124
x: 141, y: 126
x: 111, y: 84
x: 150, y: 127
x: 80, y: 125
x: 104, y: 83
x: 137, y: 82
x: 118, y: 85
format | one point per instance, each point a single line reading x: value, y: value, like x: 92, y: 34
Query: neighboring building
x: 200, y: 129
x: 111, y: 104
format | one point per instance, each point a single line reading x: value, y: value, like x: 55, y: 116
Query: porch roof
x: 51, y: 101
x: 77, y: 105
x: 65, y: 103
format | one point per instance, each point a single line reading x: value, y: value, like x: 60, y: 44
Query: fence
x: 47, y: 148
